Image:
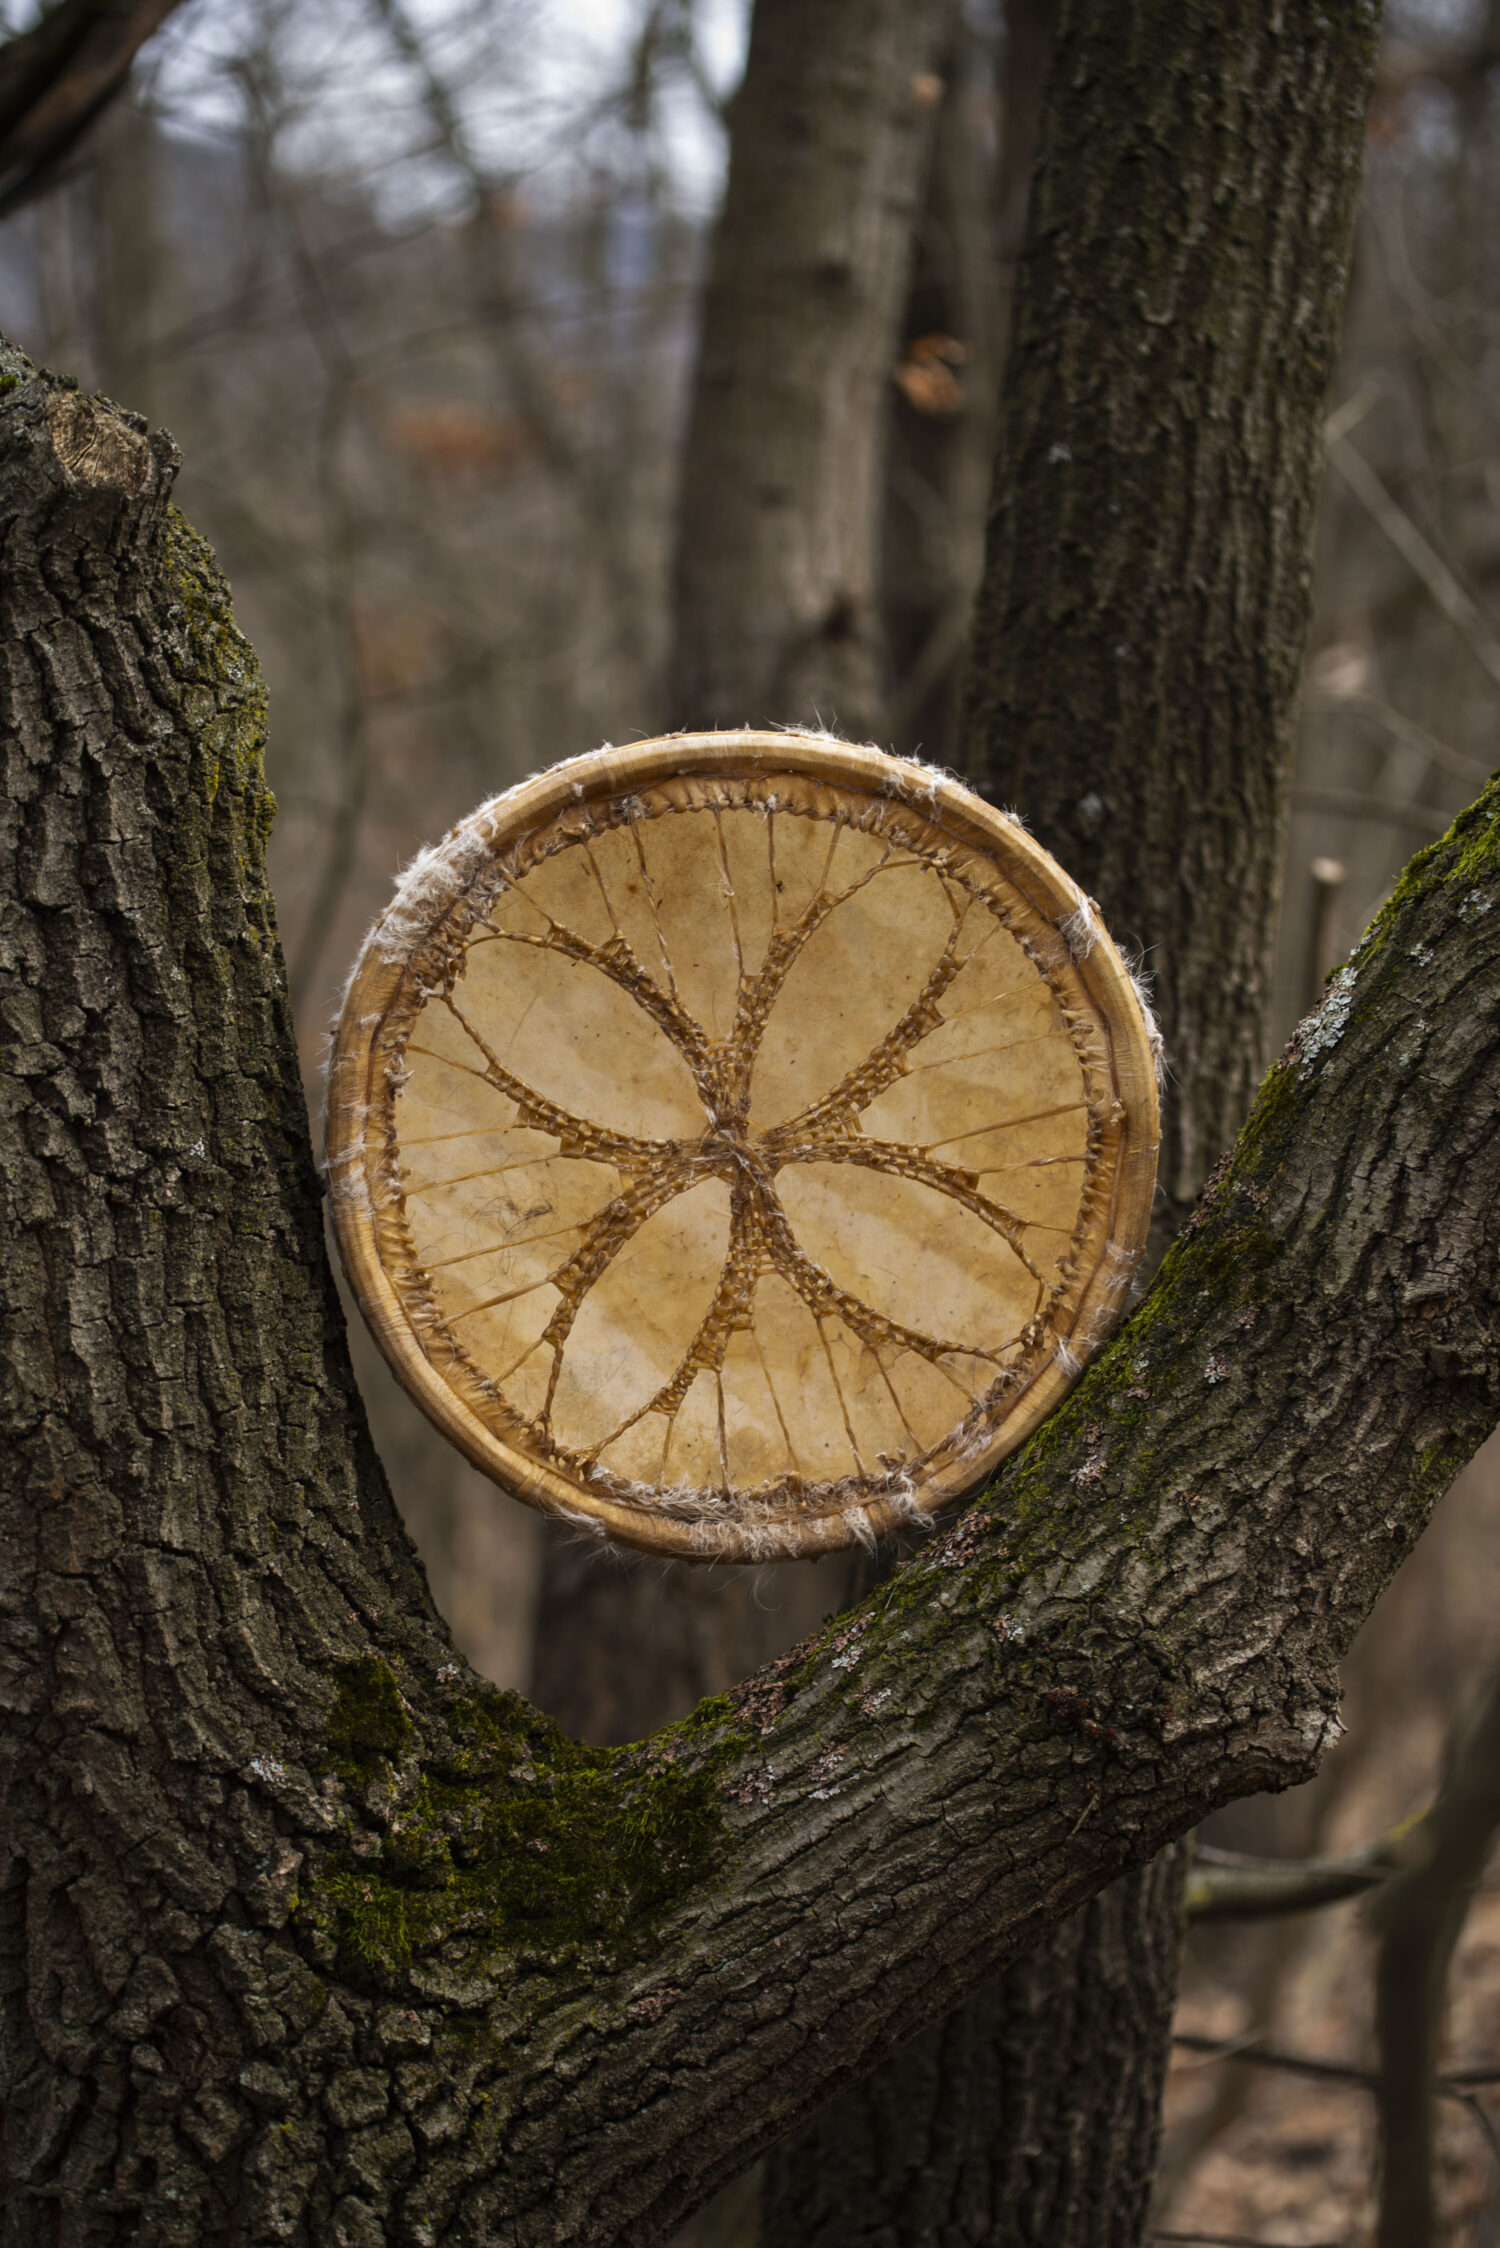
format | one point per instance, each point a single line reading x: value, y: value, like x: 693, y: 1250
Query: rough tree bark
x: 1139, y: 638
x: 309, y: 1935
x: 940, y: 429
x: 1026, y: 2115
x: 1140, y: 627
x: 779, y: 517
x: 313, y: 1936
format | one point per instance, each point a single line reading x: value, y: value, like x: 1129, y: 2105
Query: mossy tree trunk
x: 197, y: 1531
x: 310, y: 1936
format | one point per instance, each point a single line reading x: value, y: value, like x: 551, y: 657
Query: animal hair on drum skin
x: 1120, y: 1267
x: 1092, y: 1329
x: 817, y: 734
x: 904, y: 1503
x: 970, y: 1440
x: 856, y: 1520
x: 441, y: 873
x: 925, y: 778
x: 583, y: 1525
x: 1080, y: 931
x: 714, y: 1512
x: 742, y: 1541
x: 344, y: 1175
x: 1139, y: 978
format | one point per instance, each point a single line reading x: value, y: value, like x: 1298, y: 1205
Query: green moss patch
x: 1466, y: 857
x: 523, y: 1843
x: 369, y: 1724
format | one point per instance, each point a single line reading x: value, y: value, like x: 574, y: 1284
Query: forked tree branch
x: 338, y: 1923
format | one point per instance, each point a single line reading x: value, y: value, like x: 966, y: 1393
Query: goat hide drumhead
x: 739, y: 1142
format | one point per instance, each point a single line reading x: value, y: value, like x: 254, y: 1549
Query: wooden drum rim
x: 942, y: 815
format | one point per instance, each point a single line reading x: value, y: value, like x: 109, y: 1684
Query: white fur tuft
x: 1080, y: 930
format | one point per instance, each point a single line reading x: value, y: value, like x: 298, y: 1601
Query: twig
x: 1266, y: 2056
x: 1231, y: 2240
x: 1354, y: 803
x: 526, y: 372
x: 1376, y: 711
x: 1455, y: 2084
x: 1477, y: 2109
x: 1461, y: 610
x: 1459, y: 2086
x: 1222, y: 1885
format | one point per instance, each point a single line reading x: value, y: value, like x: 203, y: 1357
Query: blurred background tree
x: 417, y: 288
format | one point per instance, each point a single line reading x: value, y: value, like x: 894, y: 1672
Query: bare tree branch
x: 1357, y: 804
x: 1231, y: 2240
x: 1458, y: 2084
x: 56, y: 78
x: 595, y: 487
x: 1225, y: 1886
x: 1376, y: 711
x: 1458, y: 606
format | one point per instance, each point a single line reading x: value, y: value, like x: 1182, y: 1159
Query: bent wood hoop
x: 739, y: 1142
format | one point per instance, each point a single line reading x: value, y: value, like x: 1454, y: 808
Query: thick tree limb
x: 322, y: 1934
x: 56, y: 78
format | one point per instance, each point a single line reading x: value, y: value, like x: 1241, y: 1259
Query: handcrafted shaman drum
x: 738, y: 1143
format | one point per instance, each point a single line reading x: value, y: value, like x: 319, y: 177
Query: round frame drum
x: 739, y: 1142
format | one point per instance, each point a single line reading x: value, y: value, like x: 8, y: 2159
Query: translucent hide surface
x: 740, y: 1158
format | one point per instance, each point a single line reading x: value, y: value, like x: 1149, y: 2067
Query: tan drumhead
x: 739, y: 1142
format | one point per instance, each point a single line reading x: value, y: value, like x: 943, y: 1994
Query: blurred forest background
x: 416, y: 284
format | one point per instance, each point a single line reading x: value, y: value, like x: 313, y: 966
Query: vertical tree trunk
x: 976, y: 2131
x: 778, y: 526
x: 775, y: 621
x: 1137, y: 646
x: 940, y: 443
x: 1140, y: 628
